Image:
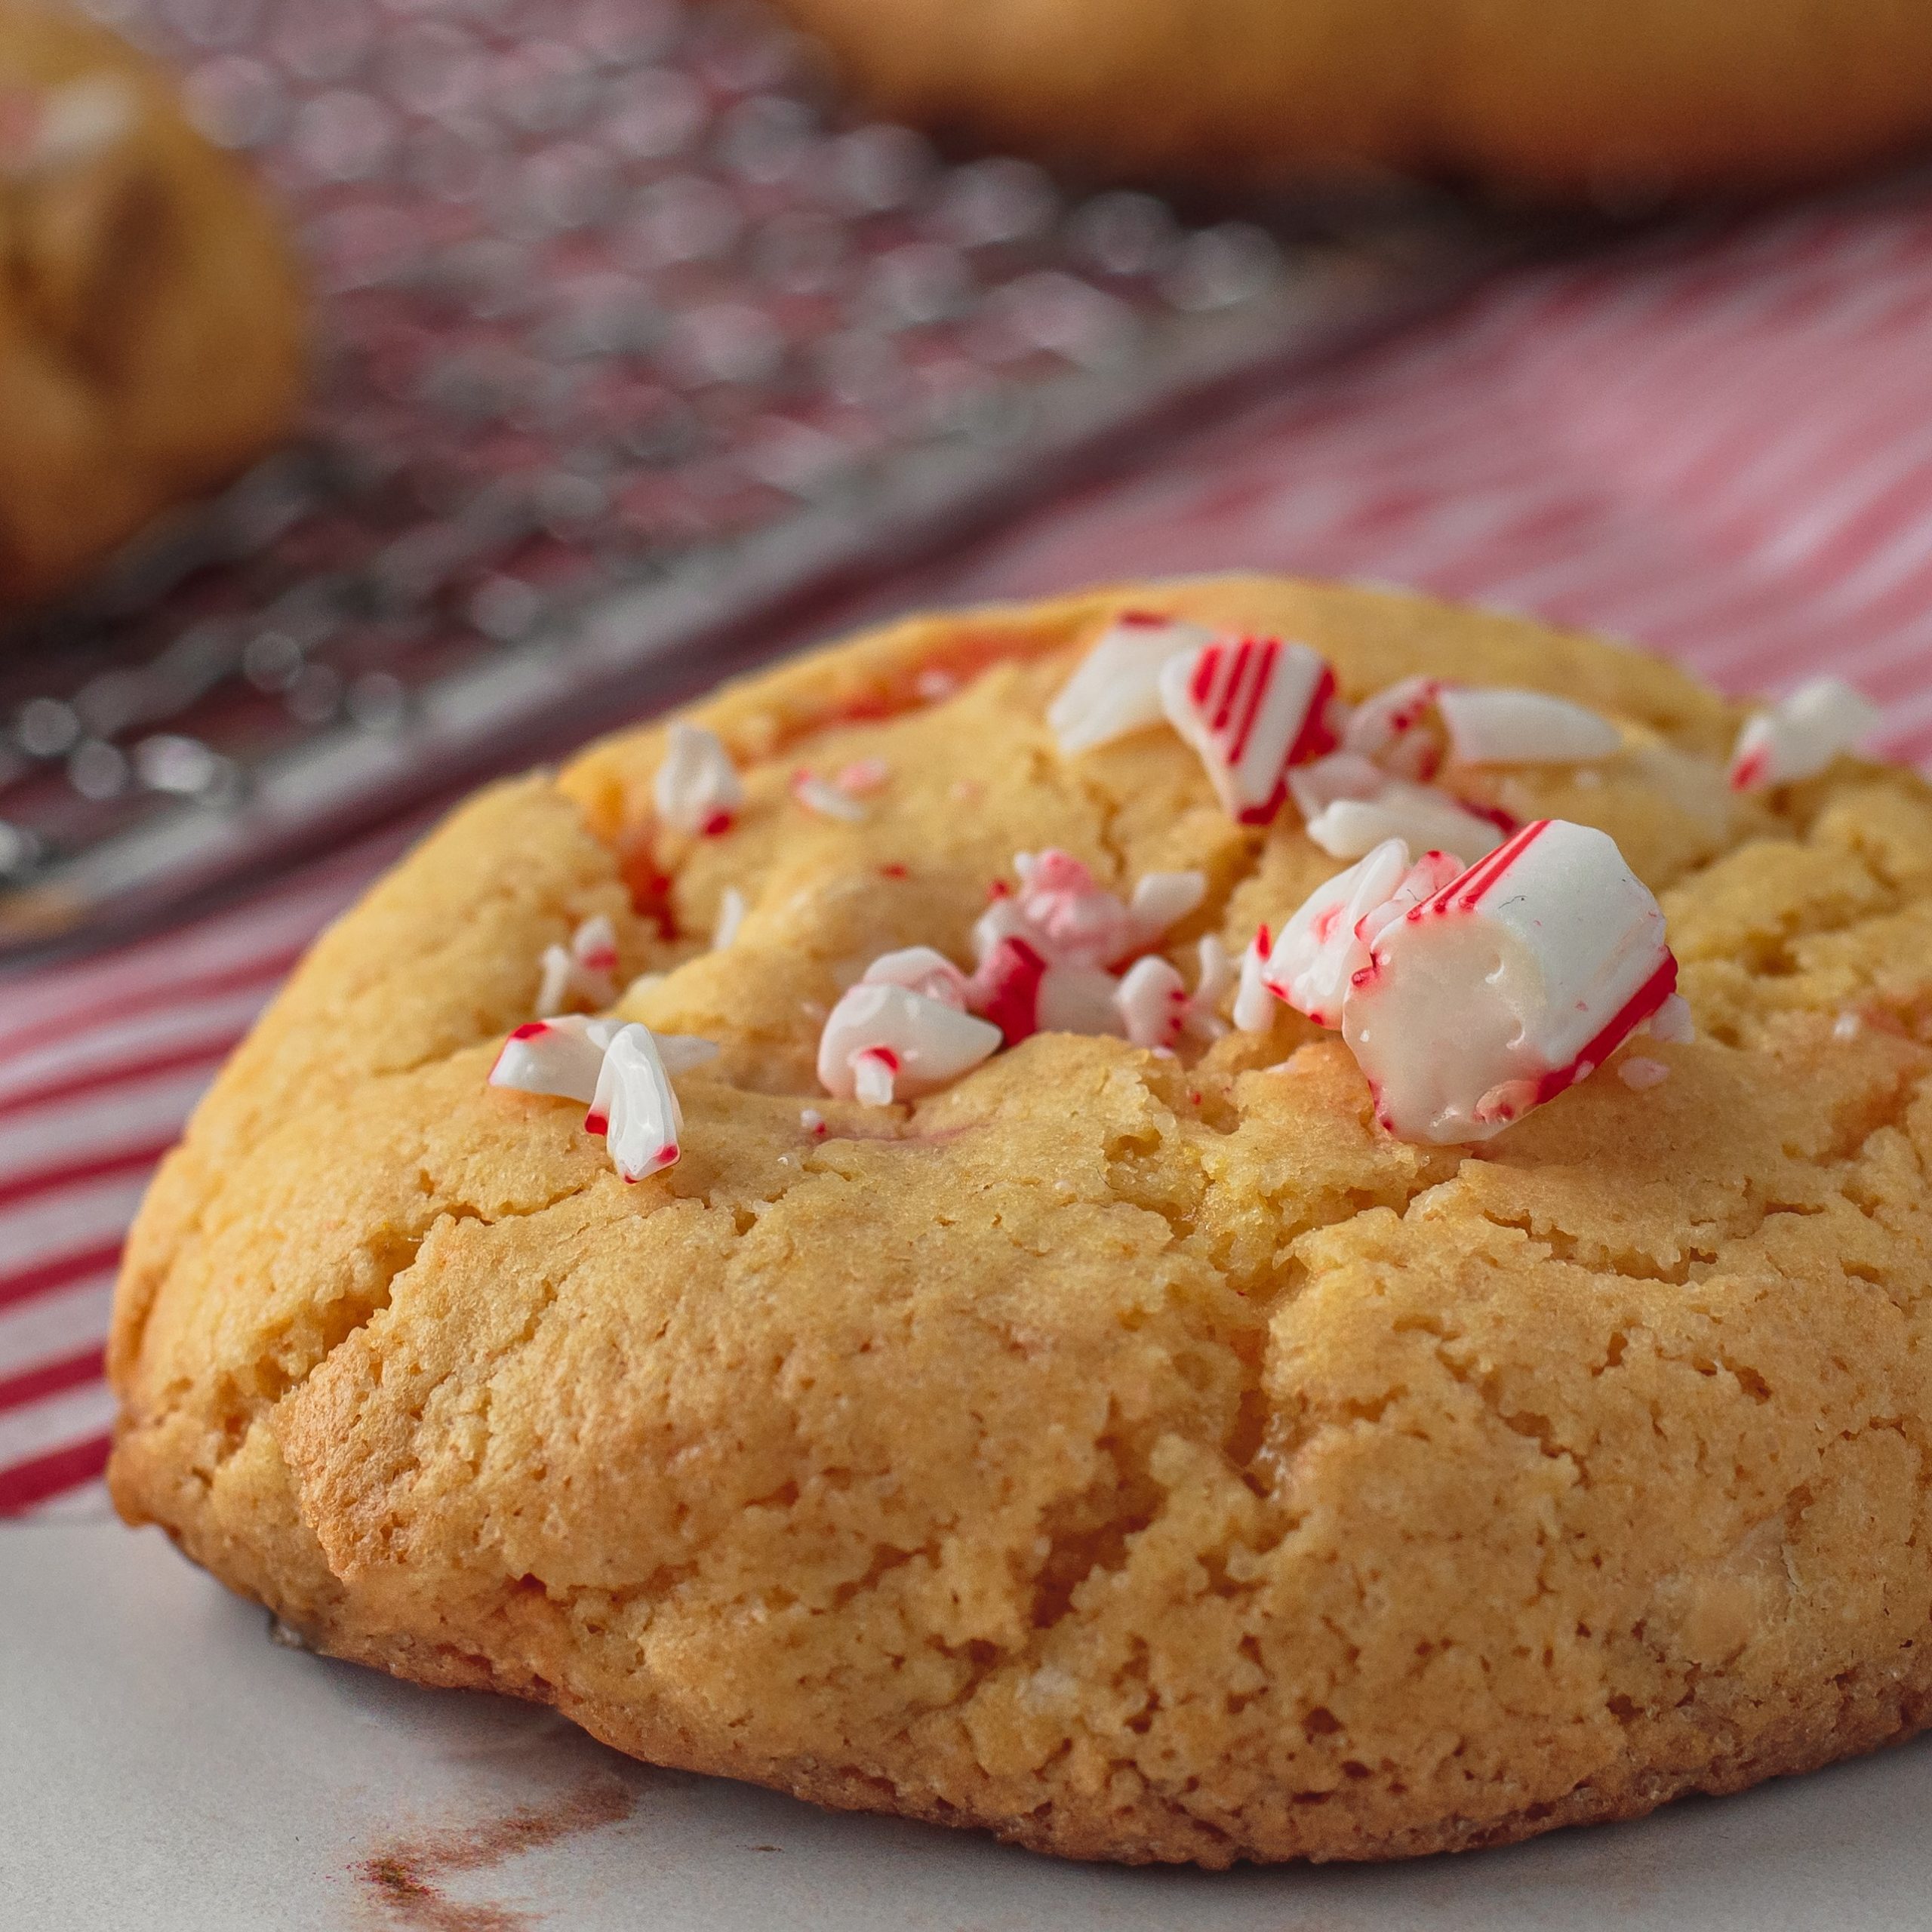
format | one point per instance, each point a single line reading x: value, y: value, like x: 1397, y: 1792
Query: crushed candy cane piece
x: 1251, y: 709
x: 824, y: 801
x: 1006, y: 987
x: 884, y: 1042
x: 1848, y: 1026
x: 1069, y: 919
x: 561, y: 1056
x: 1398, y: 729
x: 1116, y: 691
x: 1161, y: 899
x: 935, y: 684
x: 635, y: 1106
x: 1511, y: 727
x: 697, y: 789
x: 1153, y: 1002
x: 583, y: 970
x: 1254, y: 1003
x: 1324, y: 945
x: 1672, y: 1022
x: 1640, y: 1075
x: 920, y: 969
x: 1513, y: 981
x: 1418, y: 814
x: 731, y: 910
x: 1800, y: 735
x: 1315, y: 787
x: 811, y: 1119
x: 864, y: 774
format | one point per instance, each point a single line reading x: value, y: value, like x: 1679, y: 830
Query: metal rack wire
x: 627, y: 334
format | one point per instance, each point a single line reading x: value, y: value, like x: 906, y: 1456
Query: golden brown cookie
x: 1621, y: 100
x: 151, y: 320
x: 1147, y: 1456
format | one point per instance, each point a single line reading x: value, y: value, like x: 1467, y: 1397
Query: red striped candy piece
x: 1251, y: 707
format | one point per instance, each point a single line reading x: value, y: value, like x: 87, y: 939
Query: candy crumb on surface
x: 1639, y: 1073
x: 1848, y: 1026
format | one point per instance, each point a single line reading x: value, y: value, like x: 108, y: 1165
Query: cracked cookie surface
x: 1146, y: 1458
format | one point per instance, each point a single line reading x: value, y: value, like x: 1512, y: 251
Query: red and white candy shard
x: 1801, y: 736
x: 1522, y: 727
x: 883, y: 1042
x: 635, y: 1106
x: 1398, y: 730
x: 923, y: 970
x: 1672, y: 1022
x: 583, y: 970
x: 1069, y: 919
x: 1153, y: 1001
x: 1117, y: 689
x: 564, y: 1056
x: 1251, y: 708
x: 1516, y: 979
x: 731, y: 910
x: 1254, y: 1002
x: 822, y: 800
x: 1419, y: 815
x: 697, y: 789
x: 1325, y: 948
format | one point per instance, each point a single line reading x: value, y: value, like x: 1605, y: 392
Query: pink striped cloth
x: 1721, y: 446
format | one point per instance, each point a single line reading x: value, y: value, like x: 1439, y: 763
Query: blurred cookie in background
x: 152, y: 337
x: 1625, y: 103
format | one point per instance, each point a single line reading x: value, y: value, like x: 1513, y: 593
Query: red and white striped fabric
x: 1722, y: 447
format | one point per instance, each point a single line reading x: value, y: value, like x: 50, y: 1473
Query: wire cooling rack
x: 628, y: 336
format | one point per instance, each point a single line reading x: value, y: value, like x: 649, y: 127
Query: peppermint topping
x: 1324, y: 947
x: 1512, y: 982
x: 618, y: 1069
x: 1117, y: 689
x: 1800, y: 736
x: 1069, y: 919
x: 1672, y: 1022
x: 1418, y: 814
x: 864, y: 774
x: 923, y: 970
x: 1522, y: 727
x: 884, y: 1042
x: 1398, y: 729
x: 1250, y: 709
x: 731, y: 910
x: 697, y: 789
x: 581, y: 971
x: 1153, y: 1003
x: 1254, y: 1003
x: 634, y: 1105
x: 824, y: 801
x: 1640, y: 1075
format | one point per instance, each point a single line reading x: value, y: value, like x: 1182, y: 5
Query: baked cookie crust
x: 1146, y: 1459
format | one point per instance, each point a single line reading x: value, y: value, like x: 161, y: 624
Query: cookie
x: 1138, y: 1450
x: 1579, y: 98
x: 150, y: 320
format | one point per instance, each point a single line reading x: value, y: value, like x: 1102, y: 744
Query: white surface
x: 164, y: 1766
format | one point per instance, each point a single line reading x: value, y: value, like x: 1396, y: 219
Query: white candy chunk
x: 824, y: 801
x: 1672, y: 1022
x: 1397, y: 729
x: 1326, y: 942
x: 1216, y: 975
x: 1254, y: 1003
x: 1251, y: 708
x: 1419, y: 815
x: 922, y: 970
x: 731, y: 910
x: 1640, y: 1075
x: 1801, y: 736
x: 561, y: 1056
x: 884, y: 1042
x: 1340, y: 775
x: 635, y: 1107
x: 1515, y: 980
x: 1522, y: 727
x: 1153, y: 1002
x: 697, y: 789
x: 581, y: 971
x: 1117, y: 689
x: 1161, y: 899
